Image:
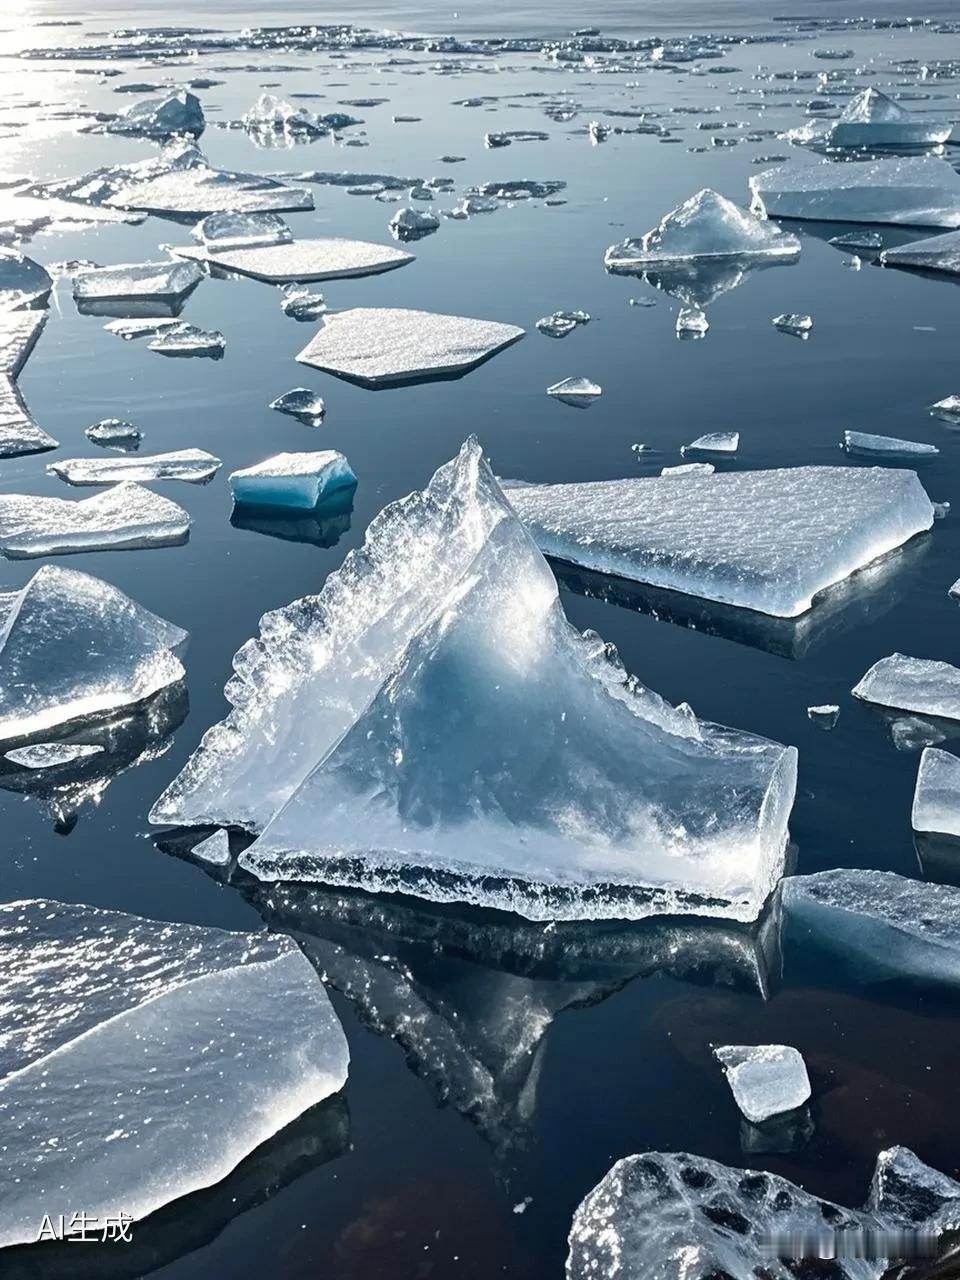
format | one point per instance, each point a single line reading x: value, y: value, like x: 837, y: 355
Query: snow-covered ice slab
x: 870, y: 446
x: 765, y: 1079
x: 921, y: 685
x: 123, y: 516
x: 936, y: 800
x: 418, y: 639
x: 72, y: 646
x: 23, y: 282
x: 676, y: 1216
x: 322, y: 259
x: 707, y: 225
x: 196, y: 466
x: 298, y: 481
x: 933, y: 253
x: 222, y: 232
x: 882, y: 924
x: 19, y: 433
x: 914, y: 191
x: 872, y: 119
x: 199, y: 190
x: 166, y: 282
x: 179, y: 114
x: 233, y: 1030
x: 763, y: 540
x: 381, y: 345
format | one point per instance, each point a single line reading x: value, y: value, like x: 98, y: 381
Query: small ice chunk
x: 766, y: 1079
x: 215, y: 849
x: 301, y: 304
x: 300, y: 481
x: 381, y: 345
x: 72, y: 647
x: 707, y: 225
x: 597, y: 132
x: 714, y: 442
x: 862, y: 442
x: 412, y: 224
x: 913, y: 190
x: 223, y: 232
x: 934, y: 253
x: 575, y: 390
x: 188, y: 340
x: 161, y: 281
x: 300, y: 261
x: 128, y: 328
x: 561, y: 323
x: 824, y: 716
x: 193, y: 465
x: 872, y: 119
x: 870, y: 241
x: 692, y: 322
x: 24, y: 284
x: 113, y: 431
x: 50, y: 755
x: 936, y: 800
x: 913, y: 733
x: 923, y: 685
x: 126, y: 515
x: 300, y: 402
x: 160, y: 118
x: 690, y: 469
x: 790, y: 322
x: 948, y: 409
x: 19, y: 433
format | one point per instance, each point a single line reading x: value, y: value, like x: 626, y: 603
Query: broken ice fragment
x: 798, y: 325
x: 222, y: 232
x: 197, y: 190
x: 160, y: 118
x: 561, y: 323
x: 298, y: 261
x: 825, y: 716
x: 862, y: 442
x: 73, y: 647
x: 871, y: 119
x: 122, y: 517
x: 705, y: 226
x: 413, y: 224
x: 576, y: 391
x: 301, y: 402
x: 936, y: 800
x: 301, y: 304
x: 18, y: 432
x: 381, y: 345
x: 114, y: 431
x: 129, y: 328
x: 271, y: 118
x: 48, y: 755
x: 913, y: 684
x: 166, y: 282
x: 300, y: 481
x: 215, y: 849
x: 689, y: 469
x: 863, y: 240
x: 193, y: 465
x: 691, y: 323
x: 232, y: 1029
x: 948, y: 409
x: 24, y: 284
x: 917, y: 190
x: 714, y: 442
x: 188, y: 340
x: 764, y: 540
x: 766, y: 1079
x: 935, y: 253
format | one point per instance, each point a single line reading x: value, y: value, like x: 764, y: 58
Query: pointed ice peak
x: 872, y: 106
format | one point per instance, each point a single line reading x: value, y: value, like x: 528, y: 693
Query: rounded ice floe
x: 141, y: 281
x: 578, y: 391
x: 766, y: 1079
x: 301, y: 260
x: 23, y: 282
x: 297, y: 480
x: 123, y: 516
x: 921, y: 685
x: 947, y: 409
x: 936, y: 800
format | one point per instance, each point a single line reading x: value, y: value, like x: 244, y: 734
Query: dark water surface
x: 493, y: 1062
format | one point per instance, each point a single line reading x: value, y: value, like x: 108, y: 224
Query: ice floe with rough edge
x: 297, y: 481
x: 24, y: 284
x: 232, y: 1029
x: 330, y: 258
x: 936, y: 799
x: 195, y: 466
x: 766, y: 1080
x: 922, y: 685
x: 872, y: 119
x: 933, y: 253
x: 188, y: 340
x: 163, y: 281
x: 179, y: 114
x: 51, y: 755
x: 764, y: 540
x: 19, y: 433
x: 220, y: 232
x: 870, y: 446
x: 566, y: 828
x: 124, y: 516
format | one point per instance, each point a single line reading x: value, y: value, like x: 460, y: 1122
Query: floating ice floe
x: 301, y: 260
x: 189, y: 340
x: 707, y: 225
x: 824, y: 716
x: 74, y: 647
x: 922, y: 685
x: 561, y: 323
x: 576, y: 391
x: 114, y: 431
x: 913, y: 191
x: 19, y: 433
x: 692, y: 322
x: 948, y: 409
x: 377, y: 346
x: 714, y: 442
x: 870, y: 446
x: 164, y: 282
x: 936, y: 800
x: 766, y: 1079
x: 214, y: 850
x: 223, y: 232
x: 123, y: 516
x: 400, y: 695
x: 871, y: 119
x: 272, y: 118
x: 300, y: 481
x: 413, y: 224
x: 24, y: 284
x: 934, y: 253
x: 800, y: 326
x: 864, y: 241
x: 882, y: 925
x: 193, y: 465
x: 689, y: 469
x: 232, y: 1029
x: 49, y: 755
x: 199, y: 190
x: 129, y: 328
x: 676, y: 1216
x: 764, y: 540
x: 300, y: 304
x: 159, y: 118
x: 300, y: 402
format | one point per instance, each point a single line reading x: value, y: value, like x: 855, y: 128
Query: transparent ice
x: 23, y: 282
x: 48, y: 755
x: 164, y: 281
x: 298, y: 481
x: 766, y: 1079
x: 19, y: 433
x: 862, y: 442
x: 299, y: 402
x: 923, y: 685
x: 936, y: 800
x: 158, y: 118
x: 189, y: 340
x: 219, y: 232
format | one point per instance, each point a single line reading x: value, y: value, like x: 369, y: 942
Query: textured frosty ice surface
x: 147, y: 280
x: 72, y: 646
x: 297, y: 480
x: 375, y: 345
x: 126, y: 515
x: 914, y: 191
x: 219, y: 232
x: 934, y: 253
x: 188, y: 340
x: 882, y: 923
x: 922, y: 685
x: 689, y: 469
x: 117, y: 1031
x: 113, y: 431
x: 936, y: 800
x: 871, y: 119
x: 327, y: 259
x: 862, y: 442
x: 764, y: 540
x: 707, y: 225
x: 765, y: 1079
x: 192, y: 465
x: 23, y: 282
x: 179, y: 113
x: 664, y: 1216
x: 18, y: 431
x: 199, y: 190
x: 49, y: 755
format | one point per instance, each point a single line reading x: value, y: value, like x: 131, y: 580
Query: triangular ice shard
x: 933, y: 253
x: 19, y: 433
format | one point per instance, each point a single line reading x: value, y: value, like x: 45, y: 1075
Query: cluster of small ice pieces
x: 936, y: 800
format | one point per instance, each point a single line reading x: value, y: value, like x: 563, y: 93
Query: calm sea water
x: 495, y: 1066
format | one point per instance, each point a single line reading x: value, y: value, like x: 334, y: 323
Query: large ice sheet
x: 23, y: 282
x: 923, y: 685
x: 871, y: 119
x: 936, y: 800
x: 765, y: 1079
x: 326, y: 259
x: 196, y: 466
x: 913, y: 191
x: 126, y: 515
x: 19, y: 433
x: 763, y: 540
x: 144, y: 281
x: 299, y: 481
x: 707, y: 225
x: 933, y: 253
x: 200, y: 190
x: 882, y: 924
x: 116, y: 1032
x: 676, y: 1216
x: 72, y: 646
x: 380, y: 345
